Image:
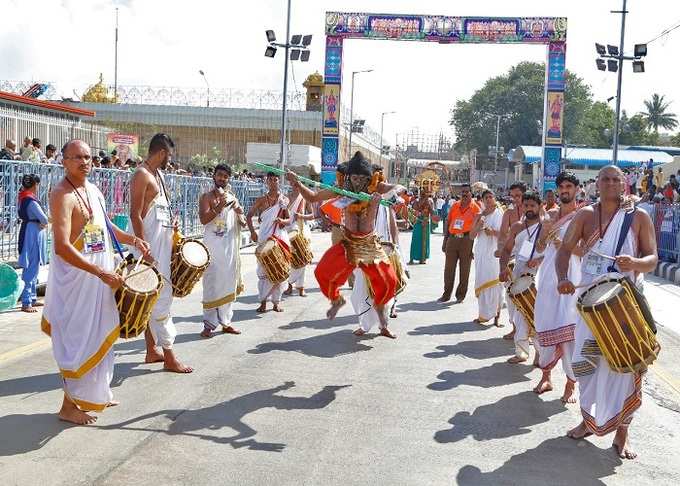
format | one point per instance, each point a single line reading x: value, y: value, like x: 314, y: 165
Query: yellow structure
x: 314, y: 85
x: 98, y: 93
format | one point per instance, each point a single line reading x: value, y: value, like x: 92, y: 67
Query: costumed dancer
x: 359, y: 248
x: 152, y: 221
x: 422, y: 228
x: 608, y: 399
x: 80, y: 311
x: 222, y: 216
x: 554, y: 314
x: 273, y: 211
x: 488, y: 289
x: 300, y: 213
x: 522, y: 242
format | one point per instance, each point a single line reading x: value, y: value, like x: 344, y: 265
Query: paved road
x: 299, y: 400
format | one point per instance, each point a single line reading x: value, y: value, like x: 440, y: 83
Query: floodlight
x: 612, y: 65
x: 305, y: 56
x: 307, y: 40
x: 612, y: 50
x: 296, y: 39
x: 640, y: 50
x: 294, y: 54
x: 271, y: 36
x: 601, y: 65
x: 601, y: 50
x: 270, y: 51
x: 638, y: 66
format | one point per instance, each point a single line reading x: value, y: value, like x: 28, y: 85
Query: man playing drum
x: 608, y: 399
x: 555, y: 314
x: 300, y: 212
x: 522, y: 243
x: 80, y: 310
x: 273, y: 211
x: 152, y: 221
x: 359, y: 247
x: 220, y: 212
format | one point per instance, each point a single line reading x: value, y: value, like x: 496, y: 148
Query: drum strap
x: 625, y: 227
x: 109, y: 227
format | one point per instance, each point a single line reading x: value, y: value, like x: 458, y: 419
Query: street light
x: 207, y: 102
x: 351, y: 107
x: 382, y: 122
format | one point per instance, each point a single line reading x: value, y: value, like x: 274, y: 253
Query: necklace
x: 599, y: 221
x: 89, y: 215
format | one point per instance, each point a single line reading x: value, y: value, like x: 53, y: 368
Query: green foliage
x: 634, y: 131
x: 657, y: 114
x: 596, y: 127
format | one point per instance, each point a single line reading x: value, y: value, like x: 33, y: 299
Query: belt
x: 459, y: 235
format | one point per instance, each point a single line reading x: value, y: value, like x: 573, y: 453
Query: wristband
x: 563, y: 279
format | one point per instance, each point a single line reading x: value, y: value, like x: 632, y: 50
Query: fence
x: 667, y: 226
x: 184, y: 193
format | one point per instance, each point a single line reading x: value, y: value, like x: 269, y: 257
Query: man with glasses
x: 458, y: 243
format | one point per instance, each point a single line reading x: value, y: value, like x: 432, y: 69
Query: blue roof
x: 592, y: 157
x: 674, y: 151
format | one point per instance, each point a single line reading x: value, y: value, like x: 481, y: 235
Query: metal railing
x: 184, y: 193
x: 667, y: 226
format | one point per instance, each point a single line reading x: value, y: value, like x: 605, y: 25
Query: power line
x: 666, y: 31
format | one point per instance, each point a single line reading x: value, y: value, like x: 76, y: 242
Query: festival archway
x: 551, y: 31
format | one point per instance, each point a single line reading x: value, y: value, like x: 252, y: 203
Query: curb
x: 668, y: 271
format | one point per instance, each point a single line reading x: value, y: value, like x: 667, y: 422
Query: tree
x: 596, y: 126
x: 657, y: 114
x: 634, y: 130
x: 519, y: 95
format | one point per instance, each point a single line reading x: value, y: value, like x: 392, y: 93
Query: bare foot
x: 70, y: 413
x: 579, y: 432
x: 478, y: 321
x: 545, y: 385
x: 153, y: 356
x: 443, y: 298
x: 206, y: 333
x: 278, y: 308
x: 289, y: 290
x: 497, y: 323
x: 113, y: 403
x: 335, y: 307
x: 230, y: 330
x: 37, y: 304
x: 516, y: 360
x: 173, y: 364
x: 510, y: 336
x: 302, y: 292
x: 359, y: 332
x: 262, y: 308
x: 387, y: 333
x: 568, y: 396
x: 621, y: 444
x: 28, y: 309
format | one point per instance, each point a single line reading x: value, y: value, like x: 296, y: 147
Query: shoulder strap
x: 625, y: 227
x: 109, y: 227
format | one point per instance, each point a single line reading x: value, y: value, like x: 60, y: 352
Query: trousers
x: 458, y: 251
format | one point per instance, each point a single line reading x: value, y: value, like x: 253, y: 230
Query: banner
x: 125, y: 145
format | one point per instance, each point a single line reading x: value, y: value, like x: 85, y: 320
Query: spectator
x: 8, y: 153
x: 32, y: 247
x: 650, y: 164
x: 591, y: 191
x: 650, y: 181
x: 669, y: 193
x: 50, y: 154
x: 106, y: 163
x: 96, y: 161
x: 674, y: 183
x: 131, y: 164
x: 26, y: 149
x: 658, y: 194
x: 644, y: 181
x: 36, y: 155
x: 658, y: 178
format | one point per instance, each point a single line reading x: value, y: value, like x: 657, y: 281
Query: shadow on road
x: 447, y: 329
x: 508, y: 417
x: 484, y: 349
x: 566, y: 461
x: 231, y: 414
x: 322, y: 323
x: 25, y: 433
x: 423, y: 306
x: 331, y: 345
x: 497, y: 374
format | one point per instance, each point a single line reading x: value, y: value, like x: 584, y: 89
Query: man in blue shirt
x: 32, y: 241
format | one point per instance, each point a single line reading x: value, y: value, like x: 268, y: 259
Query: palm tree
x: 657, y: 116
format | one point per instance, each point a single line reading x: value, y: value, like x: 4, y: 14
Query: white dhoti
x: 488, y: 289
x: 525, y: 243
x: 222, y: 281
x: 363, y: 304
x: 608, y: 399
x: 270, y: 229
x: 158, y: 232
x: 80, y: 315
x: 555, y: 314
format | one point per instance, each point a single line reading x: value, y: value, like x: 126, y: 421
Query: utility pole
x: 351, y: 108
x: 284, y: 115
x: 382, y: 122
x: 615, y: 154
x: 115, y: 62
x: 498, y: 134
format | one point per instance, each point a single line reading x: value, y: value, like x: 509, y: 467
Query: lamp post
x: 351, y: 108
x: 115, y: 63
x: 207, y: 102
x: 382, y: 122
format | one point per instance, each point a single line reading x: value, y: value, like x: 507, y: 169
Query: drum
x: 190, y: 258
x: 620, y: 320
x: 275, y: 261
x: 522, y: 292
x: 300, y: 249
x: 395, y: 261
x: 137, y: 296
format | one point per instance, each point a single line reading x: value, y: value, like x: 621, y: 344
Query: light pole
x: 615, y: 154
x: 498, y: 134
x: 115, y: 63
x: 382, y: 122
x: 207, y: 102
x: 351, y: 108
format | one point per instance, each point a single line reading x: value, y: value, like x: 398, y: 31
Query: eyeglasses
x: 82, y: 158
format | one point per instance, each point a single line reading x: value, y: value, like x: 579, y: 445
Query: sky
x: 165, y: 43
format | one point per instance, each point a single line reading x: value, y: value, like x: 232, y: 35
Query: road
x: 298, y: 400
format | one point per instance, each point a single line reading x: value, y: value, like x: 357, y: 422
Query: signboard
x: 331, y: 105
x: 126, y: 146
x: 555, y: 116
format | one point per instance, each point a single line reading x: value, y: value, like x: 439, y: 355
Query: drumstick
x: 602, y: 255
x: 130, y: 275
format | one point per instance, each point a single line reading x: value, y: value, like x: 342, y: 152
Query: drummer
x: 151, y: 220
x: 80, y: 310
x: 273, y: 211
x: 608, y: 399
x: 220, y: 212
x: 300, y: 212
